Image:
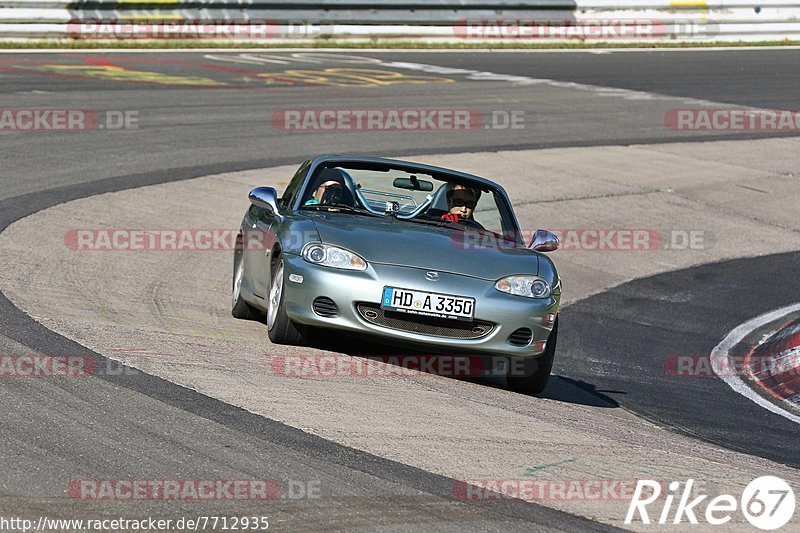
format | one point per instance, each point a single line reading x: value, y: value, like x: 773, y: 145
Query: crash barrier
x: 431, y: 20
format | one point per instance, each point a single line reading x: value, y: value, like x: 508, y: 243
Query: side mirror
x: 544, y: 241
x: 266, y: 198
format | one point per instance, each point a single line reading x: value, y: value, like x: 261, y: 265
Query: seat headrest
x: 332, y: 174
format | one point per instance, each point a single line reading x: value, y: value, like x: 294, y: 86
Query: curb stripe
x: 781, y: 378
x: 720, y: 360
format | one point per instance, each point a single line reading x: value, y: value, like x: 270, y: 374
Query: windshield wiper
x: 337, y: 208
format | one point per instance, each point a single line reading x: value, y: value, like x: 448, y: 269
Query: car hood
x: 402, y: 243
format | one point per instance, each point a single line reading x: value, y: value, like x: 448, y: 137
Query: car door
x: 259, y: 240
x: 261, y: 236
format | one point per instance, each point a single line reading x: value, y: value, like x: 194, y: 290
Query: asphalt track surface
x: 121, y: 426
x: 619, y: 341
x: 227, y: 128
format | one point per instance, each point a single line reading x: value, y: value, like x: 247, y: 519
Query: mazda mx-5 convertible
x: 410, y: 254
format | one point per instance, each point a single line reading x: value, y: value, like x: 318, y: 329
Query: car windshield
x: 414, y: 196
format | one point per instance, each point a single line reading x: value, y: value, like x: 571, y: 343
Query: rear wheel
x: 240, y: 308
x: 279, y: 326
x: 536, y: 382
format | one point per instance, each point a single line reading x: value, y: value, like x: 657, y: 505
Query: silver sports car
x: 412, y: 254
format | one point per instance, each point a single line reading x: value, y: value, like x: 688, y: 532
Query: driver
x: 461, y: 202
x: 329, y: 192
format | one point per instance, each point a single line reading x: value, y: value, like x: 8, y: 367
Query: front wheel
x: 280, y: 328
x: 536, y: 382
x: 240, y: 308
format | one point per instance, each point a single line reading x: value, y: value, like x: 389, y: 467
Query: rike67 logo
x: 767, y: 503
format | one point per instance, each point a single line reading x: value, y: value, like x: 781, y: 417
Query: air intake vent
x: 325, y: 307
x: 521, y: 337
x: 424, y: 325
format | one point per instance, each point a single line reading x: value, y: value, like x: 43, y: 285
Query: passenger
x: 461, y: 202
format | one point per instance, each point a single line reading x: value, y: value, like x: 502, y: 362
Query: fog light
x: 548, y: 320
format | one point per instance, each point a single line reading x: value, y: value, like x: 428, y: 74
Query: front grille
x: 325, y: 307
x: 521, y: 337
x: 424, y: 325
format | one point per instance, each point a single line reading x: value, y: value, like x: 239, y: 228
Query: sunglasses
x: 469, y: 204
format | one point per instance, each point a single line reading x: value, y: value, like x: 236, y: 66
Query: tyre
x: 280, y: 328
x: 240, y: 308
x: 536, y: 382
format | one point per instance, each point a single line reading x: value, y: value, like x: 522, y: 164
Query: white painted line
x: 721, y: 363
x: 599, y: 90
x: 470, y: 74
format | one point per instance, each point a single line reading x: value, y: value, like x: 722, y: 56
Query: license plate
x: 428, y: 304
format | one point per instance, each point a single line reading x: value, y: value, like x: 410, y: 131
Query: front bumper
x: 348, y: 288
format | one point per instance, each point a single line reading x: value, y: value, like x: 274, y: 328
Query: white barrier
x: 490, y: 21
x: 27, y: 15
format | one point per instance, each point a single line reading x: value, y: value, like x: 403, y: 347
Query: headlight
x: 530, y: 286
x: 332, y: 256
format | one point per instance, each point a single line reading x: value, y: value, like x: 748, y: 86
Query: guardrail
x: 432, y: 20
